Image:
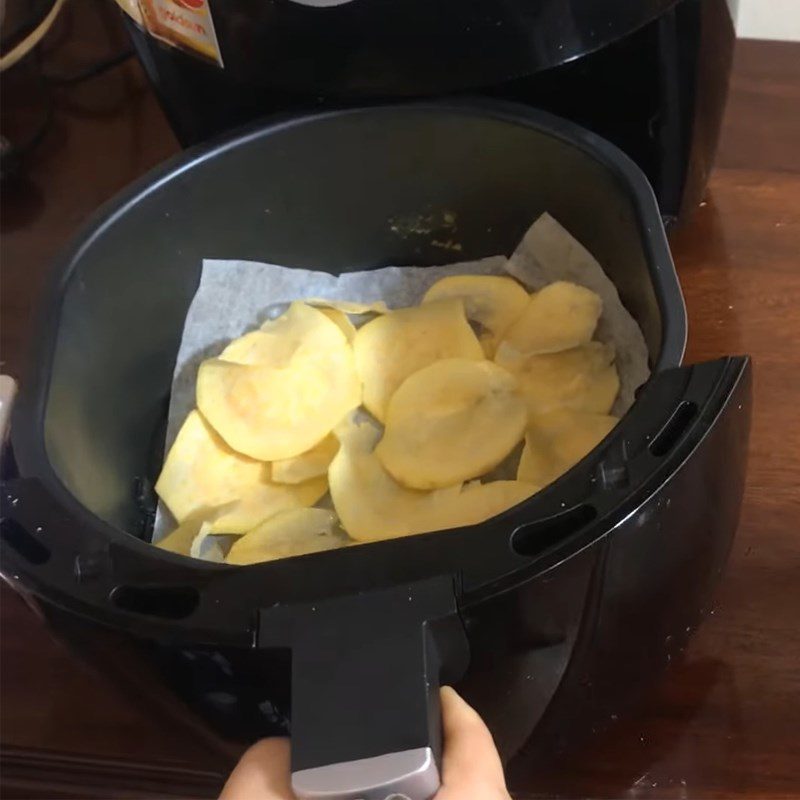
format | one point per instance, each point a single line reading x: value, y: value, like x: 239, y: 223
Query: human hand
x: 471, y: 768
x: 263, y: 773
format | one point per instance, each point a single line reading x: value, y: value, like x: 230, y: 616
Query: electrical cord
x: 13, y: 154
x: 24, y: 17
x: 22, y: 49
x: 92, y: 71
x: 11, y: 33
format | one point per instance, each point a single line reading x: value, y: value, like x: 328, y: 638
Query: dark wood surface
x: 724, y: 722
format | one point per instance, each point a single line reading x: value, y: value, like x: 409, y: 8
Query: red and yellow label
x: 187, y: 24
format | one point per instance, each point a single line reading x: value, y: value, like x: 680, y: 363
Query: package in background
x: 186, y: 24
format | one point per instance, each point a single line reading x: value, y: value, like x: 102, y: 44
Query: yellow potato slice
x: 273, y: 413
x: 312, y: 463
x: 451, y: 421
x: 559, y: 317
x: 205, y: 546
x: 493, y: 301
x: 371, y: 505
x: 290, y: 533
x: 300, y: 330
x: 265, y: 501
x: 350, y: 306
x: 252, y: 348
x: 342, y: 322
x: 390, y: 348
x: 478, y: 502
x: 584, y: 378
x: 201, y: 471
x: 180, y: 540
x: 557, y: 440
x: 369, y: 502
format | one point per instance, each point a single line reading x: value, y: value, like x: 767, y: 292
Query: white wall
x: 767, y: 19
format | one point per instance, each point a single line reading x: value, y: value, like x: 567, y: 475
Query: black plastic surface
x: 482, y: 557
x: 325, y: 191
x: 366, y: 670
x: 396, y: 47
x: 656, y: 90
x: 319, y: 191
x: 655, y: 576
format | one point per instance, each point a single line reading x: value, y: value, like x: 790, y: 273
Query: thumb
x: 471, y: 764
x: 263, y: 773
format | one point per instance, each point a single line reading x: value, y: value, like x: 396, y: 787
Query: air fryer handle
x: 366, y: 671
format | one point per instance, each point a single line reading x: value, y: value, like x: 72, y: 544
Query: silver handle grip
x: 408, y: 775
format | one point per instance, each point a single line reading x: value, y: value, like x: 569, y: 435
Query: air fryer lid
x: 413, y: 47
x: 319, y: 190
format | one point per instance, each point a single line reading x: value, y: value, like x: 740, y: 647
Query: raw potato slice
x: 290, y: 533
x: 493, y: 301
x: 350, y: 306
x: 273, y: 413
x: 342, y: 322
x: 557, y: 440
x: 558, y: 317
x: 252, y: 348
x: 481, y: 501
x: 390, y: 348
x: 371, y: 505
x: 451, y: 421
x: 300, y: 330
x: 266, y: 501
x: 310, y: 464
x: 205, y: 546
x: 201, y: 471
x: 583, y: 379
x: 180, y: 540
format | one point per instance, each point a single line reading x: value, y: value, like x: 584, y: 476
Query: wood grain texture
x: 722, y: 723
x: 762, y: 125
x: 43, y: 774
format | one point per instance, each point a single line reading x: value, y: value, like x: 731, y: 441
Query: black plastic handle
x: 366, y: 671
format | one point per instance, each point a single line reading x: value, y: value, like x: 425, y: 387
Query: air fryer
x: 547, y: 617
x: 651, y: 76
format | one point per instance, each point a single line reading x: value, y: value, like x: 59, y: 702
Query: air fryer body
x: 546, y: 616
x: 649, y: 76
x: 552, y: 658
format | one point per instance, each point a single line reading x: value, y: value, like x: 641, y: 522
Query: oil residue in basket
x: 439, y: 225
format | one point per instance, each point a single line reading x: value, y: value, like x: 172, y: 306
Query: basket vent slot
x: 24, y: 543
x: 537, y: 537
x: 673, y: 428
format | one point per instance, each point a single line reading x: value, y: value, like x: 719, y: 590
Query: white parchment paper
x: 234, y: 297
x: 549, y: 253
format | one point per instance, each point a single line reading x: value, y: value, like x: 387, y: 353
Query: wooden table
x: 724, y: 722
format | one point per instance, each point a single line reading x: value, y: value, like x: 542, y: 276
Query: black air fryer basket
x: 546, y: 616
